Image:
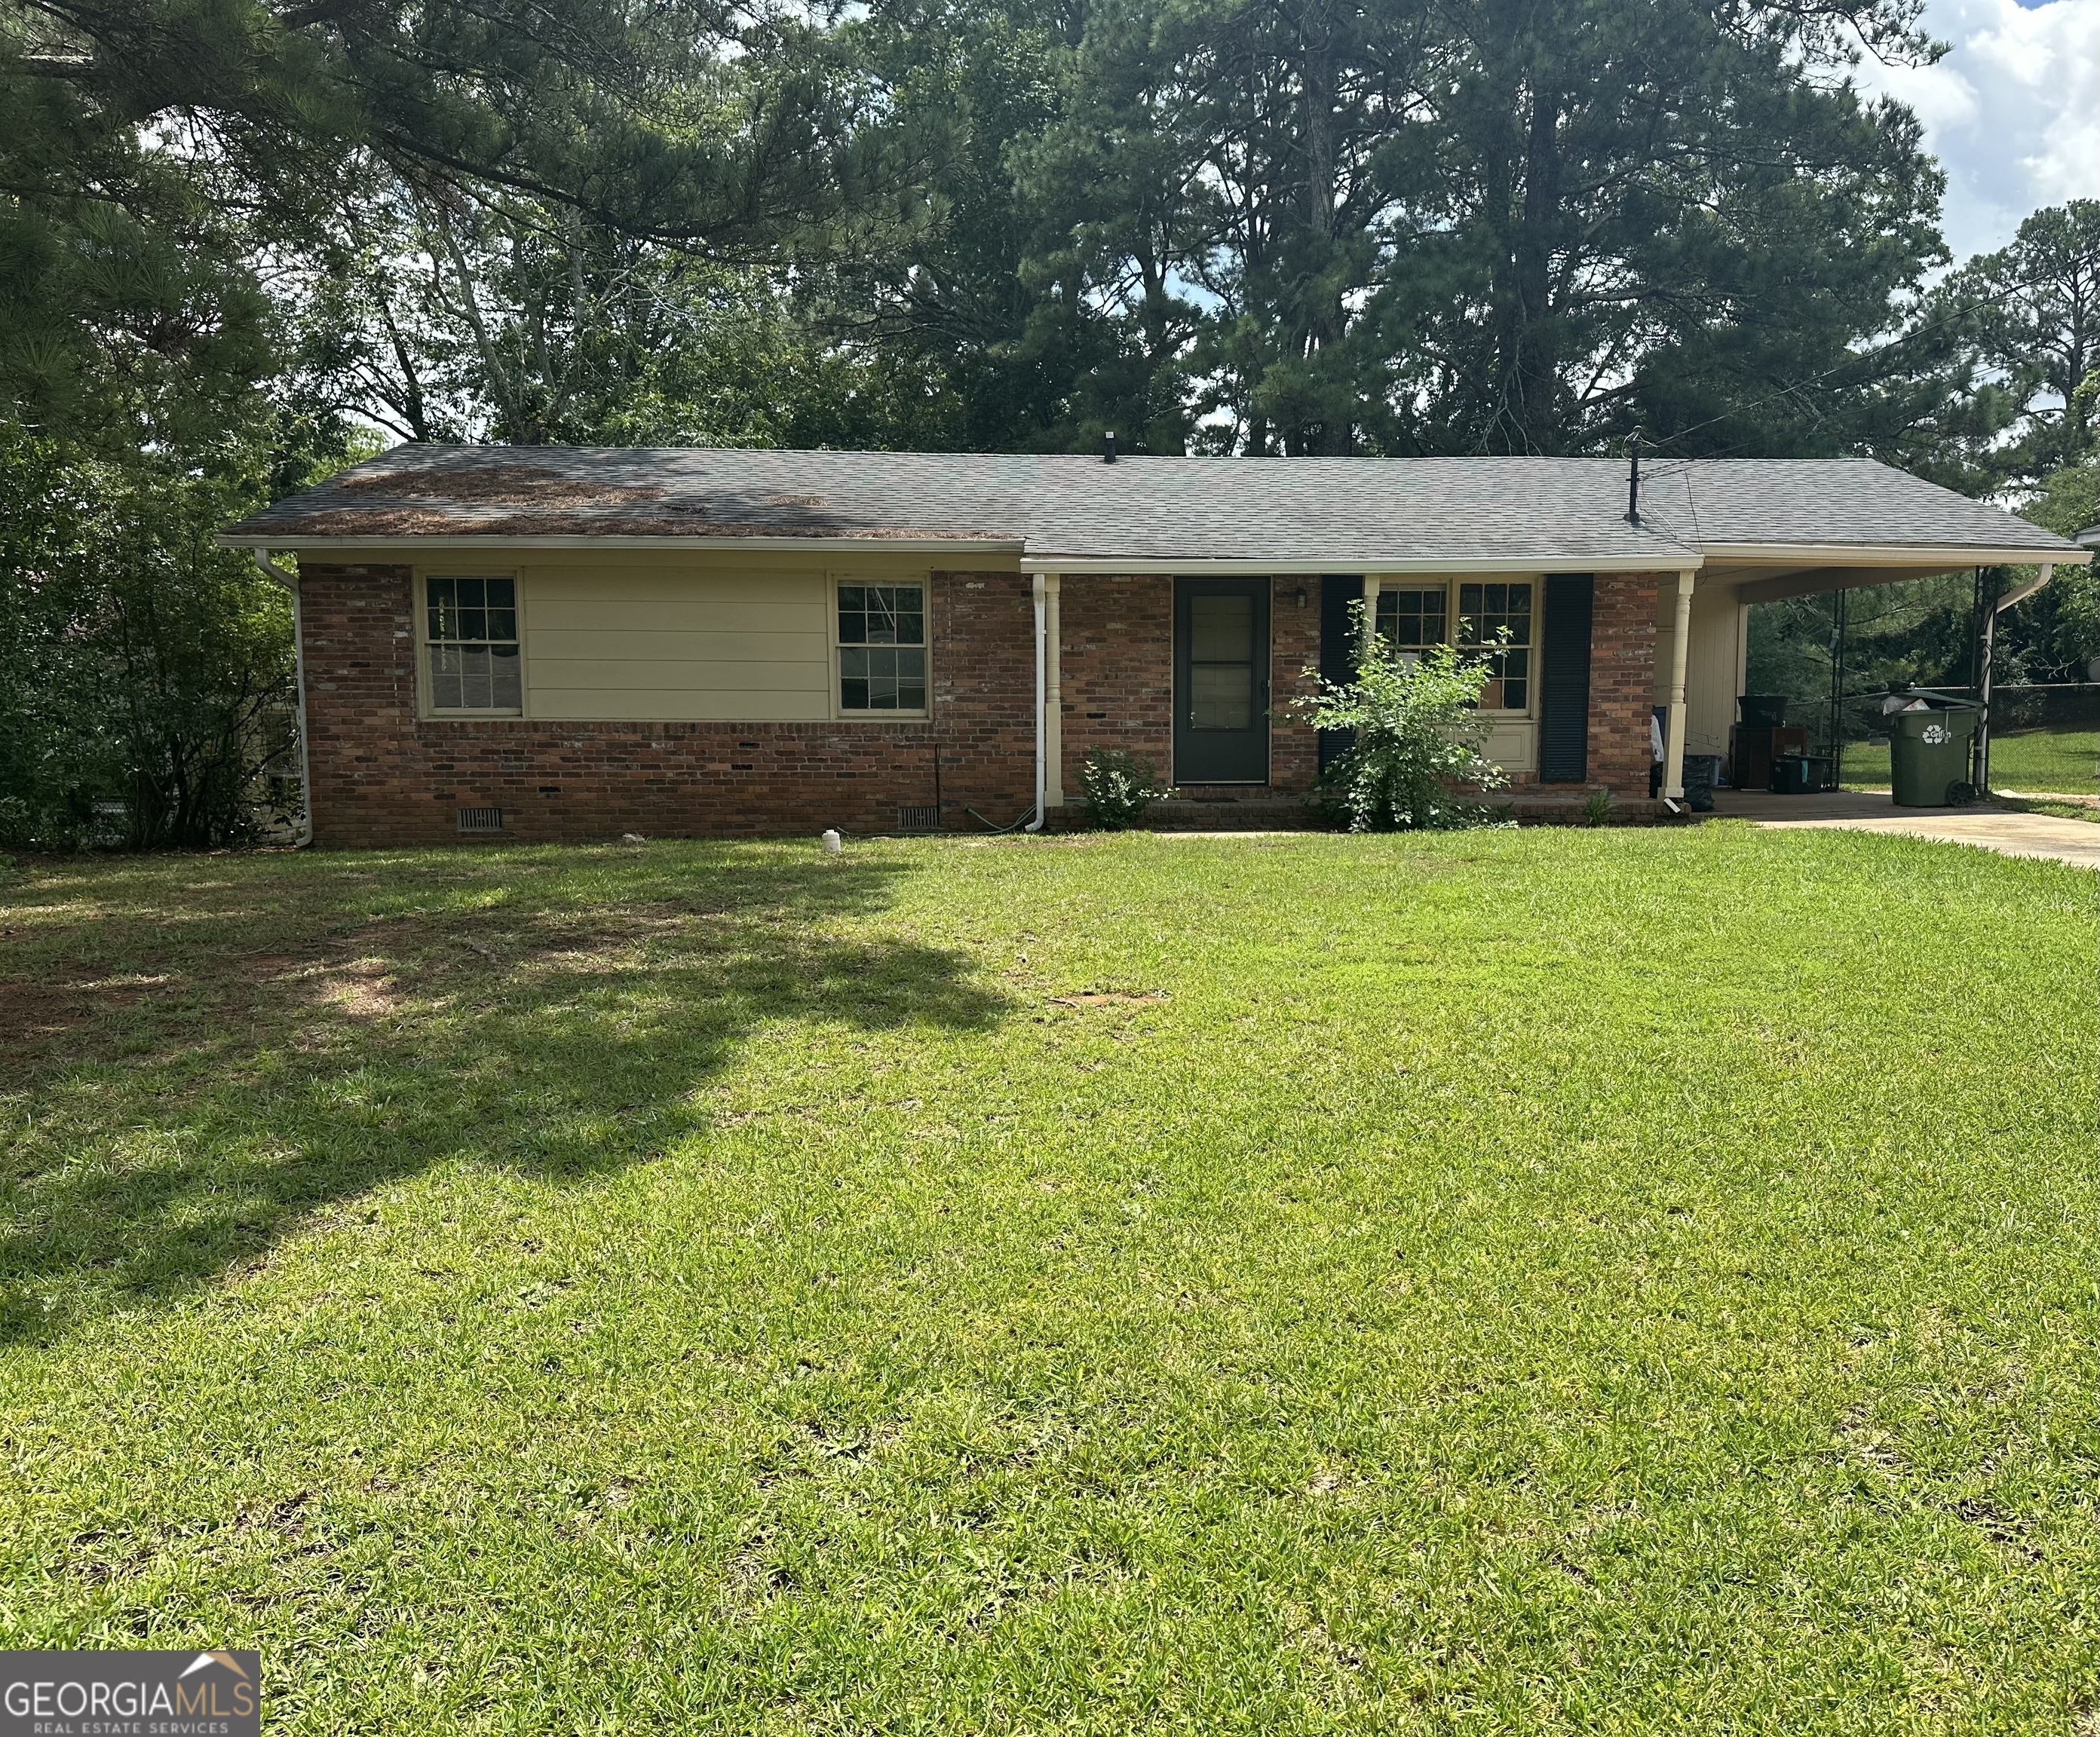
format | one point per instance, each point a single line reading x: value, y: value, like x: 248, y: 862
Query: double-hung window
x: 1495, y: 621
x: 882, y: 648
x: 471, y: 641
x: 1411, y: 621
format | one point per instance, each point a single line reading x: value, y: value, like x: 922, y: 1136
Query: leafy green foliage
x: 2035, y: 324
x: 1447, y: 227
x: 2063, y: 617
x: 145, y: 676
x: 1415, y: 758
x: 1119, y: 787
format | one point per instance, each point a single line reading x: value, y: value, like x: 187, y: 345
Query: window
x: 1484, y: 612
x: 1412, y: 620
x: 882, y: 648
x: 472, y: 634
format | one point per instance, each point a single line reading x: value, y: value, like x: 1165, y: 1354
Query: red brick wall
x: 382, y: 776
x: 1294, y: 750
x: 1118, y: 676
x: 1622, y: 679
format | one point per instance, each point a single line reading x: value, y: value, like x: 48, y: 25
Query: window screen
x: 1221, y: 663
x: 882, y: 648
x: 472, y: 634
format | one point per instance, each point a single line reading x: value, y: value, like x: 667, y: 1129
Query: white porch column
x: 1053, y: 704
x: 1372, y: 583
x: 1672, y: 747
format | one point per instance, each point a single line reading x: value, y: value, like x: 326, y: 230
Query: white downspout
x: 1042, y: 706
x: 1054, y: 691
x: 304, y: 834
x: 2042, y: 577
x: 1673, y: 750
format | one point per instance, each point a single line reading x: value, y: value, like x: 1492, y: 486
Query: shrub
x: 1119, y: 787
x: 1597, y: 811
x: 1417, y: 755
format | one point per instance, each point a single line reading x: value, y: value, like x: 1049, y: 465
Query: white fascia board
x: 1678, y: 561
x: 497, y: 540
x: 1888, y: 555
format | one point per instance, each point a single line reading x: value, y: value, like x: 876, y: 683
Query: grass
x: 2062, y: 761
x: 1598, y: 1282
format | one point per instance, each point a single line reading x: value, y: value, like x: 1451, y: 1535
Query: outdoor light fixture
x: 1298, y: 596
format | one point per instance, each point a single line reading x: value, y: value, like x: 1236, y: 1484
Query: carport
x: 1702, y: 644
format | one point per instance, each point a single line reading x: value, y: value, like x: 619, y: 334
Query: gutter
x: 304, y: 836
x: 1951, y: 555
x: 486, y: 539
x: 1669, y: 559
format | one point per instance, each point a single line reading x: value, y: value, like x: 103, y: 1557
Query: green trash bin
x: 1929, y: 755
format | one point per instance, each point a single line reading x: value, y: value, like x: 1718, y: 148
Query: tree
x: 2032, y: 310
x: 146, y: 673
x: 1440, y: 226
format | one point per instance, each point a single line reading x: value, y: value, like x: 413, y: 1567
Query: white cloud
x: 2012, y: 113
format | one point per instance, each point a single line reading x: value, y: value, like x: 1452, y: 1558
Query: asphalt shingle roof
x: 1349, y: 513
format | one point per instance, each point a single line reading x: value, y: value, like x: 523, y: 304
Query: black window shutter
x: 1338, y: 651
x: 1563, y: 686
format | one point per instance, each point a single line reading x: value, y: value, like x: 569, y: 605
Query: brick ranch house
x: 569, y: 643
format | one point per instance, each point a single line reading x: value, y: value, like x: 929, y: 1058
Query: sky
x: 2012, y: 113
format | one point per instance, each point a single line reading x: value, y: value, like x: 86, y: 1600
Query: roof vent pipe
x: 1108, y: 447
x: 1633, y: 477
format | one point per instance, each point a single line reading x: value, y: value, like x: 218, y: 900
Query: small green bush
x: 1416, y: 762
x: 1597, y: 811
x: 1119, y: 786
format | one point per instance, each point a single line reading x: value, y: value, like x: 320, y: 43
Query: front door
x: 1221, y: 681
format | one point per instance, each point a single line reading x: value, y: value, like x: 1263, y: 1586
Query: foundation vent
x: 927, y: 819
x: 481, y: 820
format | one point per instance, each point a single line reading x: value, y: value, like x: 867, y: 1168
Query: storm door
x: 1221, y: 681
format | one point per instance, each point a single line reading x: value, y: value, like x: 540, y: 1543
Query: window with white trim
x: 470, y: 640
x: 882, y: 648
x: 1486, y: 613
x: 1411, y: 620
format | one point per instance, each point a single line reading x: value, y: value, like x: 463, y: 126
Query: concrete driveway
x: 2005, y: 830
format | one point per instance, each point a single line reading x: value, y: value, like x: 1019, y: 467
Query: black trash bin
x: 1702, y: 772
x: 1800, y: 774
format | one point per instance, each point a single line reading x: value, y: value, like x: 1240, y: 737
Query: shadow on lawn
x: 197, y: 1081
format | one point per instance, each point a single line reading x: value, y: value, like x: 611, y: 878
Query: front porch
x: 1204, y: 677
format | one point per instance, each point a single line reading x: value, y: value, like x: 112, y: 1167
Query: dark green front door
x: 1221, y: 681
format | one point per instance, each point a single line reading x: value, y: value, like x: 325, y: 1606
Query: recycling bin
x: 1929, y: 754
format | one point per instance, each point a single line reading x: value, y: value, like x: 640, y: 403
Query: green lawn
x: 1586, y: 1282
x: 2066, y: 760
